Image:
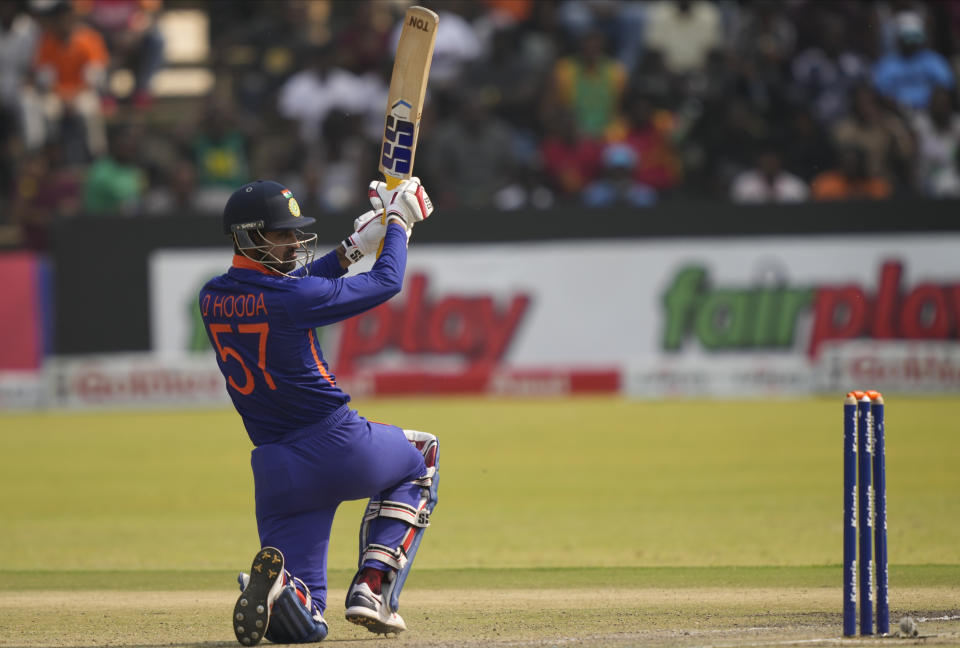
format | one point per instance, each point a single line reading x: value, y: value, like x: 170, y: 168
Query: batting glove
x: 368, y: 233
x: 408, y: 203
x: 369, y: 228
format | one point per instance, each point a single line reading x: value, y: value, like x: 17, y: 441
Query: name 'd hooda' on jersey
x: 472, y: 328
x: 221, y: 306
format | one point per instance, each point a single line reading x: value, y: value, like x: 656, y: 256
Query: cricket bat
x: 408, y: 86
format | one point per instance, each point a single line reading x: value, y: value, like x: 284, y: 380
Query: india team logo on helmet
x: 292, y: 203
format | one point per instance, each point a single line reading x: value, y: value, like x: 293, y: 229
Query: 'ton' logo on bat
x: 419, y: 23
x: 397, y: 153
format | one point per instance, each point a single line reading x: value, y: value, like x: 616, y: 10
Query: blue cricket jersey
x: 261, y: 326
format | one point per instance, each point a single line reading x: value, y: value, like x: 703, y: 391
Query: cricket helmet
x: 266, y: 206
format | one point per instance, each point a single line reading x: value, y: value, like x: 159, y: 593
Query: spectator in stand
x: 47, y: 189
x: 310, y: 95
x: 684, y: 32
x: 881, y: 133
x: 850, y: 179
x: 473, y: 152
x: 177, y: 193
x: 720, y: 143
x: 18, y: 37
x: 116, y: 182
x: 530, y: 189
x: 805, y: 144
x: 827, y: 72
x: 513, y: 79
x: 70, y: 72
x: 458, y: 44
x: 541, y: 40
x: 18, y: 40
x: 937, y: 132
x: 365, y: 34
x: 651, y: 78
x: 590, y: 84
x: 764, y: 44
x: 947, y: 184
x: 220, y: 149
x: 765, y: 31
x: 372, y: 85
x: 260, y: 44
x: 622, y: 24
x: 884, y: 20
x: 909, y: 75
x: 657, y: 164
x: 570, y: 161
x: 768, y: 182
x: 332, y: 178
x: 133, y: 40
x: 617, y: 186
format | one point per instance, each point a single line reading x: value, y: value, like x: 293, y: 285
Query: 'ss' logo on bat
x: 397, y: 153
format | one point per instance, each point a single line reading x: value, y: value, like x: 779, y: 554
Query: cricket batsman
x: 312, y: 451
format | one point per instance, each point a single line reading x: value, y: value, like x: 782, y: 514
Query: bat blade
x: 408, y: 87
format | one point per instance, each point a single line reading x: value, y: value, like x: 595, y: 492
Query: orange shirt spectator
x: 70, y: 58
x: 834, y: 185
x: 850, y: 180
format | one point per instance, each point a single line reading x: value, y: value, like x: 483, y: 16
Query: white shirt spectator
x: 753, y: 187
x: 684, y: 38
x: 308, y: 97
x: 457, y: 44
x: 937, y: 155
x: 16, y: 56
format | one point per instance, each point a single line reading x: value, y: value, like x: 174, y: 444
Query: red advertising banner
x: 22, y: 324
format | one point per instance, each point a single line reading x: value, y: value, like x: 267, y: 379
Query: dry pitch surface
x: 485, y: 617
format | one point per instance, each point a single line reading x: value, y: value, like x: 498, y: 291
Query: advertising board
x: 722, y: 317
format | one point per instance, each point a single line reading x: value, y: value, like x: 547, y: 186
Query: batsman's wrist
x: 393, y: 217
x: 351, y: 252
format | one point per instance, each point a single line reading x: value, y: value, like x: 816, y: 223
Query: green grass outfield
x: 595, y: 482
x: 587, y: 521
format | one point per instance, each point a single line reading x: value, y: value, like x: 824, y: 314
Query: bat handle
x: 392, y: 183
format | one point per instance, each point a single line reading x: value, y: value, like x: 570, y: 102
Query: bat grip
x: 392, y: 183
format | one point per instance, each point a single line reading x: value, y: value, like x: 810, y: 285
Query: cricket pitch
x: 616, y: 617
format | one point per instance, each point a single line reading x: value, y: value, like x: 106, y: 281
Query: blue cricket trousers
x: 300, y: 483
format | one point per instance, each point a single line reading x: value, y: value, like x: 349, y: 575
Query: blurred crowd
x: 531, y: 103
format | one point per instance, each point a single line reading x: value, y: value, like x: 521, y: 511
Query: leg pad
x: 416, y: 516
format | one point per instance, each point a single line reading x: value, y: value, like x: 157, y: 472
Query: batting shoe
x: 251, y: 614
x: 366, y: 608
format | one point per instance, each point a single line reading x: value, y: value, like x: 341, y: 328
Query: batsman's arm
x: 326, y: 301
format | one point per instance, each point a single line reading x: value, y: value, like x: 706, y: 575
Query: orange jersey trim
x: 240, y: 261
x: 316, y: 356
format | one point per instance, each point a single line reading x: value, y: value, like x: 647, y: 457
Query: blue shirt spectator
x: 616, y: 187
x: 909, y: 75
